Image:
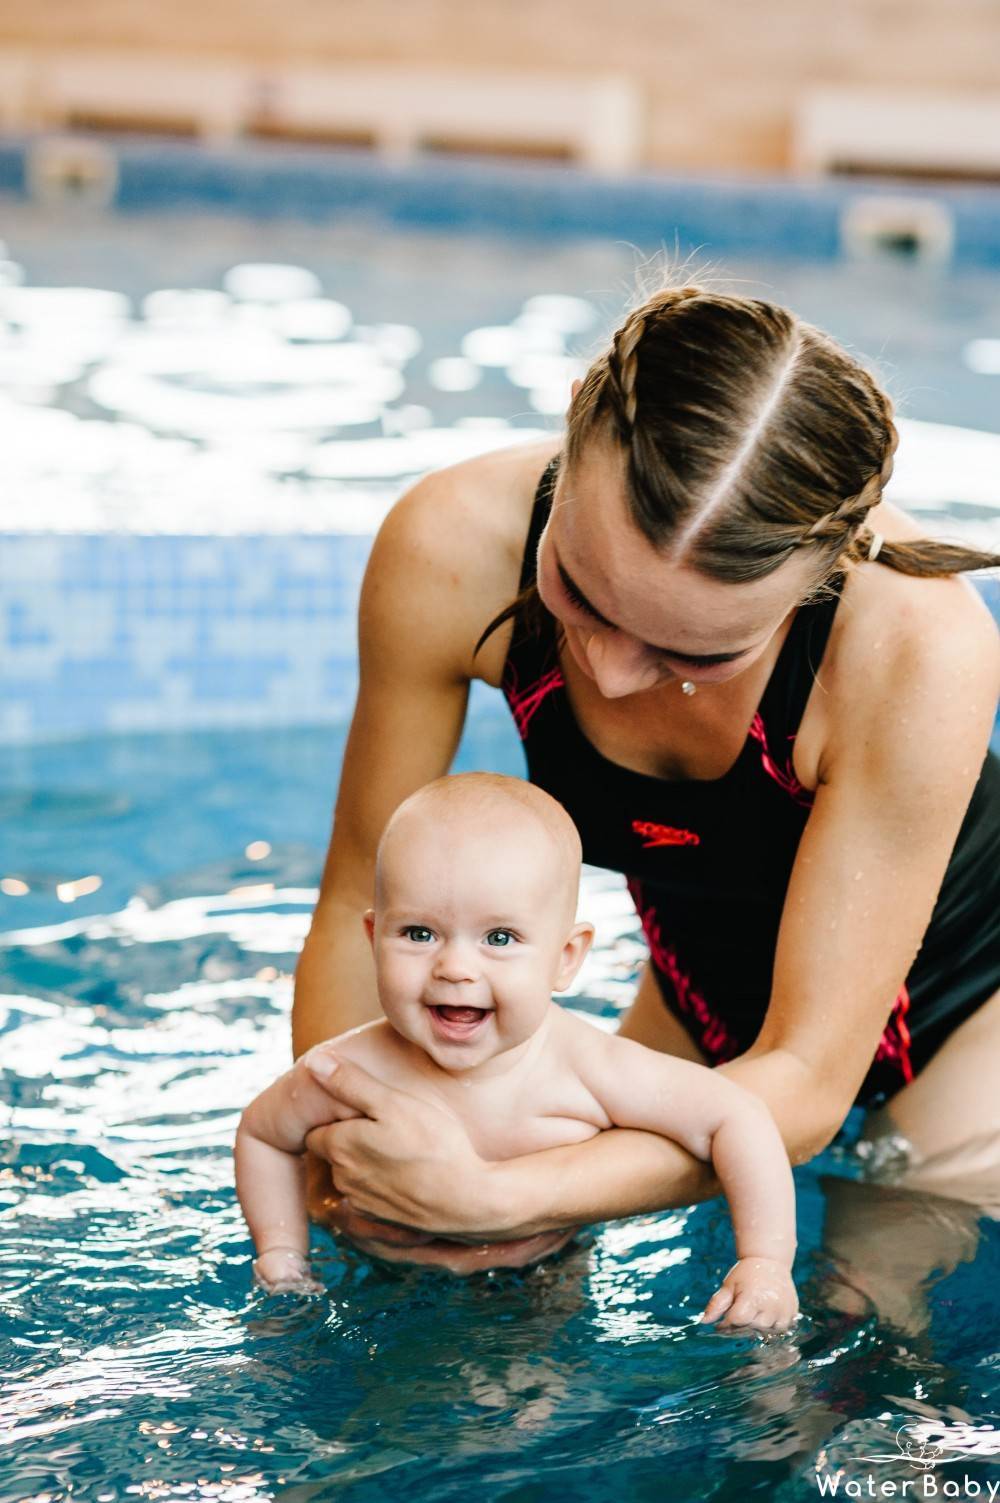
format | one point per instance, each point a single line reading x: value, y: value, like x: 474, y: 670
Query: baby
x: 476, y: 887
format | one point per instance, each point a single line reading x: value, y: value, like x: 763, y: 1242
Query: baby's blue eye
x: 418, y: 934
x: 499, y: 938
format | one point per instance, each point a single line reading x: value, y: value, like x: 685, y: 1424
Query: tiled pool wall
x: 129, y: 633
x: 122, y: 632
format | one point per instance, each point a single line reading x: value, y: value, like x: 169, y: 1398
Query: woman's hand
x: 405, y: 1161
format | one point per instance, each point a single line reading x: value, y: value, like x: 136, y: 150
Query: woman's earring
x: 687, y: 687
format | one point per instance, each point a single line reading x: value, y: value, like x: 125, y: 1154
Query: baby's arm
x: 717, y: 1120
x: 270, y: 1171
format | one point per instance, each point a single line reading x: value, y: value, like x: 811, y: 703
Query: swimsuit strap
x: 798, y: 667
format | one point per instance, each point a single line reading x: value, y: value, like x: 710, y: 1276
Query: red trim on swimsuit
x: 895, y: 1041
x: 663, y: 834
x: 715, y: 1038
x: 783, y: 776
x: 524, y: 703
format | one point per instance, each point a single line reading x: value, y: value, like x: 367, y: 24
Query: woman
x: 764, y: 697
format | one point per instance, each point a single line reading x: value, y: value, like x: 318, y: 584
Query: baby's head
x: 473, y: 929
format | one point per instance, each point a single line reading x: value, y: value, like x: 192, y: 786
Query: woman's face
x: 633, y: 619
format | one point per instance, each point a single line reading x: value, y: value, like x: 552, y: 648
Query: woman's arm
x: 895, y: 783
x: 424, y: 601
x: 401, y: 1163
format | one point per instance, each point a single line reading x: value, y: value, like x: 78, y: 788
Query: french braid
x: 853, y: 512
x: 680, y: 388
x: 623, y: 357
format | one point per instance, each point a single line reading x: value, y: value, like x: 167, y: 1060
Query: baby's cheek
x: 400, y: 981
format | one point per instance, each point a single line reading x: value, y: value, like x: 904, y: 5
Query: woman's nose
x: 620, y: 665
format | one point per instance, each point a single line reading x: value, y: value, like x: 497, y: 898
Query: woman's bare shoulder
x: 900, y: 639
x: 455, y: 540
x: 485, y: 499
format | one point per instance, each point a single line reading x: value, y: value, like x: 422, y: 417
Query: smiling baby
x: 474, y: 927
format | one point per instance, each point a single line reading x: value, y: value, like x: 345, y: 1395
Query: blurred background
x: 716, y: 87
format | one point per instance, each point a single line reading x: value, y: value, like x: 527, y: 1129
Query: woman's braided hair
x: 748, y: 434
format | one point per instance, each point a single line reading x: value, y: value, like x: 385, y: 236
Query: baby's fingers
x: 717, y: 1305
x: 745, y: 1310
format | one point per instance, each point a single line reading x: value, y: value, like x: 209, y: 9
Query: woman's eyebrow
x: 705, y: 659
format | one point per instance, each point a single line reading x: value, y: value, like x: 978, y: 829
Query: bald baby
x: 473, y: 929
x: 501, y: 818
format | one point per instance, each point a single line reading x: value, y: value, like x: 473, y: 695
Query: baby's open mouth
x: 458, y: 1022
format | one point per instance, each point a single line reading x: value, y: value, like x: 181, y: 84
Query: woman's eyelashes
x: 687, y: 664
x: 578, y: 600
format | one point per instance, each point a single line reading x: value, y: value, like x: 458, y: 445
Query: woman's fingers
x: 347, y: 1081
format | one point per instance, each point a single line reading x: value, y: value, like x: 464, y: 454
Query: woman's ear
x: 574, y: 951
x: 574, y: 389
x: 369, y: 923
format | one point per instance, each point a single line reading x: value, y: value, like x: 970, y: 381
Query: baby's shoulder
x: 577, y: 1038
x: 367, y: 1044
x: 380, y: 1050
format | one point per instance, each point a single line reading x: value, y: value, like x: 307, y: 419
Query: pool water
x: 155, y: 891
x: 137, y: 1360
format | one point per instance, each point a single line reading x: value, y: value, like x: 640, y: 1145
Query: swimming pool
x: 155, y: 890
x: 136, y: 1361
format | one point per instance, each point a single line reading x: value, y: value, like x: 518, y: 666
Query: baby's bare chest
x: 522, y: 1111
x: 503, y: 1125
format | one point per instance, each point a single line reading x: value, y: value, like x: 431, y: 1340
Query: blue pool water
x: 136, y: 1360
x: 162, y: 886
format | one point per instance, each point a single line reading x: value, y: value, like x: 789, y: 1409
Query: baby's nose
x: 455, y: 962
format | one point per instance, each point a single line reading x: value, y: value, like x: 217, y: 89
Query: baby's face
x: 470, y: 936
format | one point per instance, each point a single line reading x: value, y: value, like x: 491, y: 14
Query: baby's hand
x: 756, y: 1292
x: 282, y: 1270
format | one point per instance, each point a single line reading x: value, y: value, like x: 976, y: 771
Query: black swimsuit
x: 708, y: 862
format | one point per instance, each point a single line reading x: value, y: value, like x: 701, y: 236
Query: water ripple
x: 137, y: 1360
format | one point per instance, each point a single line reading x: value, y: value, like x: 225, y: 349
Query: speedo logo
x: 654, y: 834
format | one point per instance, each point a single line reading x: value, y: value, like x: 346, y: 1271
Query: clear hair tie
x: 874, y: 546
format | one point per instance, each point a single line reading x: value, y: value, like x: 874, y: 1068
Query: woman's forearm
x: 623, y: 1172
x: 335, y: 977
x: 620, y: 1172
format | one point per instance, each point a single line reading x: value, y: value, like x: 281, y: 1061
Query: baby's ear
x: 578, y: 941
x: 369, y: 922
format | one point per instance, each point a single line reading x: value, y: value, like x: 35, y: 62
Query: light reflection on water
x: 138, y: 1018
x: 199, y: 373
x: 138, y: 1021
